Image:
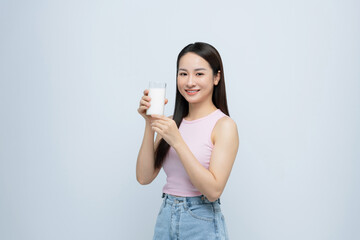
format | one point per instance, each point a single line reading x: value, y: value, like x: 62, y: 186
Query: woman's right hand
x: 145, y: 104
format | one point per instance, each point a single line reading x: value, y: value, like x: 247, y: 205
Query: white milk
x: 157, y: 101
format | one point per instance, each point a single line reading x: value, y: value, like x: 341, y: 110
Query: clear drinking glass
x: 157, y: 93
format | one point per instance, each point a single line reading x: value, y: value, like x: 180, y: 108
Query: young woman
x: 196, y: 147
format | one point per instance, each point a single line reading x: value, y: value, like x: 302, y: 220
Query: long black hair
x: 212, y: 56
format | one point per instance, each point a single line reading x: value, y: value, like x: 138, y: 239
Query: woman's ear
x: 217, y: 78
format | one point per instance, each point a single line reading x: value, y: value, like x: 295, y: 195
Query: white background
x: 71, y: 77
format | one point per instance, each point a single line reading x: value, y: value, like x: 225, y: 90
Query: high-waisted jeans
x: 190, y: 218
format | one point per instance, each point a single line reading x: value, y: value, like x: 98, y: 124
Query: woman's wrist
x: 178, y: 144
x: 148, y: 126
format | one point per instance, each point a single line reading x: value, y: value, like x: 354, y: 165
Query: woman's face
x: 195, y: 79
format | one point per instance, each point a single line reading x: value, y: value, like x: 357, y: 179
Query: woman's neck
x: 199, y: 110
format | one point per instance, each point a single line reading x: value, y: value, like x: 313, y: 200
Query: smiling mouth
x: 191, y: 92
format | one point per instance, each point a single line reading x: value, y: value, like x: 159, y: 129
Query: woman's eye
x: 182, y: 74
x: 200, y: 74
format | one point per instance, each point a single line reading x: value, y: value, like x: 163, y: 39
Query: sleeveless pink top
x: 197, y: 135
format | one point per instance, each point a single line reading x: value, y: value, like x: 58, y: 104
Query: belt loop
x: 219, y: 201
x: 164, y: 201
x: 186, y: 202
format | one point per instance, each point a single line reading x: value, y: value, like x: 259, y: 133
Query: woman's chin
x: 192, y: 101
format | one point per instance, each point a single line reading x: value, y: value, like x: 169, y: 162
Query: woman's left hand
x: 167, y: 128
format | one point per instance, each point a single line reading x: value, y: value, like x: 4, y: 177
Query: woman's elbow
x: 142, y: 181
x: 212, y: 197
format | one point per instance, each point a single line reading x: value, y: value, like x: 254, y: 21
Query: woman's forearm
x: 202, y: 178
x: 145, y: 161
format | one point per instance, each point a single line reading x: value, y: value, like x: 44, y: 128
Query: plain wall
x: 71, y: 77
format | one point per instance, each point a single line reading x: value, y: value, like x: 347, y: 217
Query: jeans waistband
x: 193, y: 200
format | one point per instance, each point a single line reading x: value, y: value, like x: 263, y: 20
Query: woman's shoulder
x: 225, y: 127
x: 226, y: 122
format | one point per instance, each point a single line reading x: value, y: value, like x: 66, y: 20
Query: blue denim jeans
x: 190, y: 218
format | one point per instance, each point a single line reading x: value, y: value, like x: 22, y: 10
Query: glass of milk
x: 157, y: 94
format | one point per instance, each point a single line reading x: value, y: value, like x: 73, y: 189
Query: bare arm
x: 210, y: 182
x: 145, y: 171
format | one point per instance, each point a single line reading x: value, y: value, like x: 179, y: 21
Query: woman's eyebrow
x: 196, y: 69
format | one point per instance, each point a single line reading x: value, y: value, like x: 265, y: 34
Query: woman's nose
x: 190, y: 81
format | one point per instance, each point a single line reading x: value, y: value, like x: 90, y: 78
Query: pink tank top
x: 197, y: 135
